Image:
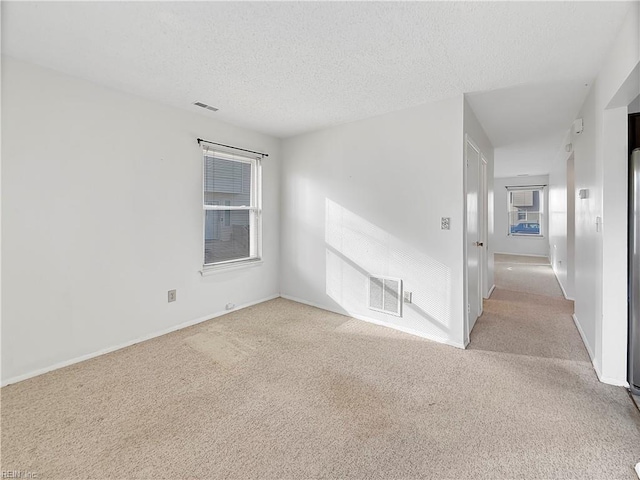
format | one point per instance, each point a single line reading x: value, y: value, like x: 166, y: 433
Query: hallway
x: 527, y: 314
x: 527, y: 325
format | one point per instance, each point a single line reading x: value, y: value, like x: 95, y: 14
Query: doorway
x: 476, y: 231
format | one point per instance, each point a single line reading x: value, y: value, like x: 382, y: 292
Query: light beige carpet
x: 520, y: 259
x: 282, y: 390
x: 526, y: 274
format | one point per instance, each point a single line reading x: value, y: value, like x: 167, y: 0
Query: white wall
x: 588, y: 248
x: 614, y: 241
x: 473, y: 128
x: 102, y: 215
x: 502, y: 241
x: 562, y: 195
x: 367, y: 198
x: 600, y: 166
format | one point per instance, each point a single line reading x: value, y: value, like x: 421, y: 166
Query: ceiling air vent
x: 204, y: 105
x: 385, y: 295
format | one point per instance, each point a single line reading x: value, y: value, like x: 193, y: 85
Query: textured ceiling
x: 285, y: 68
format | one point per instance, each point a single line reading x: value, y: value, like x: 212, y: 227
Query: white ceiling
x: 288, y: 67
x: 534, y: 157
x: 527, y: 123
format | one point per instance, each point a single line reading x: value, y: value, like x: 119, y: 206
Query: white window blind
x: 232, y: 207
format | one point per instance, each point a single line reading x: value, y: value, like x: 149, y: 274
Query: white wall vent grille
x: 385, y: 295
x: 204, y: 105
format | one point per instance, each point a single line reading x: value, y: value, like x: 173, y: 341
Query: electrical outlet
x: 445, y: 223
x: 171, y: 295
x: 408, y: 297
x: 230, y: 306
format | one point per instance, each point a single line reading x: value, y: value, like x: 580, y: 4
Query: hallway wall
x: 474, y: 129
x: 600, y: 167
x: 366, y: 198
x: 561, y: 219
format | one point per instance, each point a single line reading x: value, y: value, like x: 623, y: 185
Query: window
x: 525, y: 210
x: 232, y: 208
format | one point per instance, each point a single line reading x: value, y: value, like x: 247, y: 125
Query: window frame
x: 541, y: 212
x: 254, y: 208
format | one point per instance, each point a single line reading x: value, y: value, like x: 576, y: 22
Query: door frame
x: 483, y: 227
x: 482, y: 209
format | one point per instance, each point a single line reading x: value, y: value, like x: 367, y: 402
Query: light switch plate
x: 171, y: 296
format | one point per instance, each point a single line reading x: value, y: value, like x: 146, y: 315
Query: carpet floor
x: 282, y: 390
x: 526, y: 274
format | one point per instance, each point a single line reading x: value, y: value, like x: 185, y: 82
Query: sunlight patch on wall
x: 356, y: 248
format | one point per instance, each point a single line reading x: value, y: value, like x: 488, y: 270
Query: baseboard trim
x: 374, y: 321
x: 608, y: 380
x: 611, y: 381
x: 522, y: 254
x: 564, y: 292
x: 493, y: 287
x: 584, y: 340
x: 594, y: 363
x: 88, y: 356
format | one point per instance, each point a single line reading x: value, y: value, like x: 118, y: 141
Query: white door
x: 473, y: 240
x: 483, y: 218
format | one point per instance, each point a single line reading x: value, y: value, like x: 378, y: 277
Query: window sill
x: 524, y: 235
x: 225, y: 267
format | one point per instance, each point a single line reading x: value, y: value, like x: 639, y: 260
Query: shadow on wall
x: 355, y: 249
